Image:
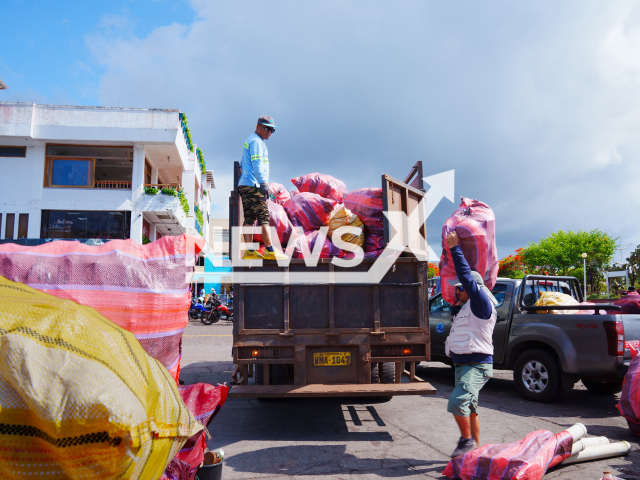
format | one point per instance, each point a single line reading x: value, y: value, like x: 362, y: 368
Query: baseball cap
x: 478, y: 278
x: 266, y: 120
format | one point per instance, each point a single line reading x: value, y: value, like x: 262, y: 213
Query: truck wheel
x: 258, y: 371
x: 375, y: 373
x: 537, y: 375
x: 388, y: 372
x: 602, y: 388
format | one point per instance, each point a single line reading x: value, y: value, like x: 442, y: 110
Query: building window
x: 85, y: 224
x: 6, y: 151
x: 221, y: 235
x: 23, y: 225
x: 89, y: 166
x: 71, y: 173
x: 9, y: 225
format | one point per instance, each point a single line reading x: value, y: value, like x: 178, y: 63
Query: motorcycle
x: 218, y: 312
x: 198, y: 311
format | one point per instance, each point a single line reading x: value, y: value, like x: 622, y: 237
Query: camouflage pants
x: 254, y: 206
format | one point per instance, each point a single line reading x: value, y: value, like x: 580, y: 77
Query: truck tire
x: 258, y: 372
x: 538, y: 376
x: 388, y: 372
x: 375, y: 373
x: 602, y: 388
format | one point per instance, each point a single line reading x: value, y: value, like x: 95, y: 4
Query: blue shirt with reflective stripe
x: 254, y: 163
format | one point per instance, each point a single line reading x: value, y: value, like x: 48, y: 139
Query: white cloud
x: 535, y: 104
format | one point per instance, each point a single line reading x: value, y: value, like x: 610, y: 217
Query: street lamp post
x: 584, y: 270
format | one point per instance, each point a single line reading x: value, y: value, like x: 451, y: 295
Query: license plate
x: 332, y: 359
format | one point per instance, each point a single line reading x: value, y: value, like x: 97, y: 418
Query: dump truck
x: 333, y: 337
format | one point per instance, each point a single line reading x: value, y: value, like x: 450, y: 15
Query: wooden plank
x: 317, y: 390
x: 398, y: 371
x: 376, y: 308
x: 299, y: 366
x: 265, y: 374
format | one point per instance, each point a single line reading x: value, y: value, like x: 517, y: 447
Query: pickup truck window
x: 438, y: 304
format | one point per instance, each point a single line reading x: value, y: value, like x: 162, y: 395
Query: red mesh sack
x: 373, y: 243
x: 629, y: 404
x: 279, y: 219
x: 141, y: 288
x: 474, y: 222
x: 311, y: 210
x: 203, y: 401
x: 293, y: 192
x: 630, y: 303
x: 305, y: 245
x: 324, y: 185
x: 528, y: 459
x: 367, y: 204
x: 278, y: 193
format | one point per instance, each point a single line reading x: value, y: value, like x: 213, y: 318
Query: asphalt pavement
x: 408, y: 436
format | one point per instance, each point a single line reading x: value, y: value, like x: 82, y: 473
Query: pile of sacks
x: 323, y: 201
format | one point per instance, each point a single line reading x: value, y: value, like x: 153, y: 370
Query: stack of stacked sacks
x: 317, y: 201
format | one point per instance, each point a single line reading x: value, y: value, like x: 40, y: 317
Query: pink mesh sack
x: 373, y: 243
x: 279, y: 219
x: 324, y: 185
x: 474, y: 222
x: 278, y: 193
x: 630, y: 304
x: 305, y: 245
x: 367, y: 204
x: 527, y: 459
x: 141, y: 288
x: 311, y: 210
x: 629, y: 404
x: 203, y: 401
x: 293, y: 192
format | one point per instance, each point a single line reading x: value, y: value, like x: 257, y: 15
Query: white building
x: 81, y: 173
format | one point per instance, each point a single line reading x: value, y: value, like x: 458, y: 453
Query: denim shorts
x: 470, y: 378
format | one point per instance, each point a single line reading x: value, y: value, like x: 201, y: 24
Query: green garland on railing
x: 199, y: 215
x: 145, y: 239
x: 186, y: 131
x: 151, y: 190
x: 183, y: 202
x: 203, y: 166
x: 169, y: 191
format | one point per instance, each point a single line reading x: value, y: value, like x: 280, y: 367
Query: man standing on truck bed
x: 253, y: 187
x: 470, y: 346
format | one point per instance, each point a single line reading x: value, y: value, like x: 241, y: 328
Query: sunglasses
x: 459, y: 289
x: 269, y: 129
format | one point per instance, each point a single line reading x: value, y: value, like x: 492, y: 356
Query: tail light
x: 255, y: 352
x: 406, y: 351
x: 615, y: 337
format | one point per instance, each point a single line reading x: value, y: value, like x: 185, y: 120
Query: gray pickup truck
x: 549, y: 353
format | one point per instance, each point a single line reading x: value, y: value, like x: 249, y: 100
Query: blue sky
x: 534, y: 104
x: 44, y: 55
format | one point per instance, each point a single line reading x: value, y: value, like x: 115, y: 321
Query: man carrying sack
x: 470, y: 346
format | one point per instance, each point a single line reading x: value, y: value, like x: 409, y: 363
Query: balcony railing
x: 116, y: 184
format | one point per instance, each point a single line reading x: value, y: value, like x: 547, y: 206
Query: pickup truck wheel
x: 388, y: 372
x: 537, y: 375
x: 602, y: 388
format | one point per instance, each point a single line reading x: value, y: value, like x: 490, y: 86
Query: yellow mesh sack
x: 556, y: 298
x: 342, y: 217
x: 79, y: 397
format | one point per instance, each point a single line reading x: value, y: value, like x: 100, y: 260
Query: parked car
x: 547, y: 352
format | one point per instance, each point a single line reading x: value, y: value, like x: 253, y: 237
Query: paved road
x: 407, y: 437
